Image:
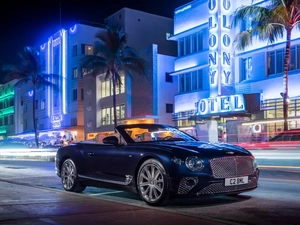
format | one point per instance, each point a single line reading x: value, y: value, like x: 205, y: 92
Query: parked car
x: 158, y: 162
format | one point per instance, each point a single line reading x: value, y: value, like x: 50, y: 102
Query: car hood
x: 208, y: 149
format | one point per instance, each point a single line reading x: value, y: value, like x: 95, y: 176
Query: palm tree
x: 113, y: 58
x: 268, y: 24
x: 29, y: 70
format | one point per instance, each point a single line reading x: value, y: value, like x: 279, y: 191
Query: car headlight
x: 194, y: 163
x: 254, y: 163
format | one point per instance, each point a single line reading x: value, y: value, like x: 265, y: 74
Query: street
x: 276, y: 201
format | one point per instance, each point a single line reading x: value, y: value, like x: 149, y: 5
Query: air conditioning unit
x: 256, y: 128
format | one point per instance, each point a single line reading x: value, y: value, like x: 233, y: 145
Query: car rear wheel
x: 152, y: 183
x: 69, y: 177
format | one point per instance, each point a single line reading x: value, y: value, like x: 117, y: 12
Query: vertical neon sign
x: 219, y: 43
x: 226, y: 46
x: 213, y: 57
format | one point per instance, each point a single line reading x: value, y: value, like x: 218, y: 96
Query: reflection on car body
x: 158, y: 162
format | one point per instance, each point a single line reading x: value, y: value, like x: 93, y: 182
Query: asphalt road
x: 31, y: 193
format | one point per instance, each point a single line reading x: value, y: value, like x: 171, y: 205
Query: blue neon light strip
x: 64, y: 71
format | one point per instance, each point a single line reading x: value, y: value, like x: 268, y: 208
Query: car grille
x: 217, y: 188
x: 231, y: 166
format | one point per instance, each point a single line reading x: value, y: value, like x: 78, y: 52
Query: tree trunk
x: 33, y: 117
x: 114, y: 100
x: 285, y: 93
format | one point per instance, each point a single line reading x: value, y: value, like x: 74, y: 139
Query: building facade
x: 9, y: 108
x: 225, y: 91
x: 141, y: 99
x: 82, y: 108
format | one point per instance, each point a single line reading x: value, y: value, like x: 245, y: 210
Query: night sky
x: 31, y: 22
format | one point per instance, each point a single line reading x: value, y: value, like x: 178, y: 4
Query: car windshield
x: 153, y: 132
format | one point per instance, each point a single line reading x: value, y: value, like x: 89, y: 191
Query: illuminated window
x: 246, y: 73
x: 75, y: 73
x: 107, y: 116
x: 87, y: 49
x: 107, y: 87
x: 43, y: 104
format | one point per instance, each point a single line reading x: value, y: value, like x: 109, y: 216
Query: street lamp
x: 286, y: 101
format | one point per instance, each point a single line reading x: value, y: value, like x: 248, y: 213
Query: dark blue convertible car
x: 159, y: 162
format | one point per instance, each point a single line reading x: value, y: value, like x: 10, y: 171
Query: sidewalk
x: 21, y: 204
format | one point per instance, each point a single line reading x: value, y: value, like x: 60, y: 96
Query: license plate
x: 236, y: 181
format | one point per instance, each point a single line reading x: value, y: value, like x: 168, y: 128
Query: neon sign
x: 219, y: 43
x: 220, y: 104
x: 56, y: 120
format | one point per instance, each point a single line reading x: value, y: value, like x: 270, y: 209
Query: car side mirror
x: 110, y: 140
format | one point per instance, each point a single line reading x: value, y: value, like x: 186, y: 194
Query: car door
x: 110, y: 163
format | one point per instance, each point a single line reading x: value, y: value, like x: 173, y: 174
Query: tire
x: 69, y: 177
x: 152, y: 183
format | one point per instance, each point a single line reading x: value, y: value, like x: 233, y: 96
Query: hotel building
x: 225, y: 91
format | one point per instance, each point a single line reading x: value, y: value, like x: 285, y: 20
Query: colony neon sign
x: 220, y: 104
x: 219, y: 45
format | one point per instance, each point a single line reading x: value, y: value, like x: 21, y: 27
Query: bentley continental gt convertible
x: 158, y: 162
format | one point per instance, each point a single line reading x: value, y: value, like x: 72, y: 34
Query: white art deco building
x: 225, y: 91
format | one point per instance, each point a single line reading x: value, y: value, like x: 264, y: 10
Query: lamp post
x: 286, y: 101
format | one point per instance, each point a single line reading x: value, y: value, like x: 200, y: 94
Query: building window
x: 82, y: 93
x: 107, y: 116
x: 74, y: 122
x: 169, y: 108
x: 87, y: 49
x: 74, y: 97
x: 181, y: 47
x: 191, y: 81
x: 43, y: 104
x: 246, y: 73
x: 169, y: 78
x: 75, y: 73
x: 5, y: 120
x: 107, y: 86
x: 74, y: 50
x: 187, y: 46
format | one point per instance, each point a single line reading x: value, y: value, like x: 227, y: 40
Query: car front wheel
x: 152, y: 183
x: 69, y: 177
